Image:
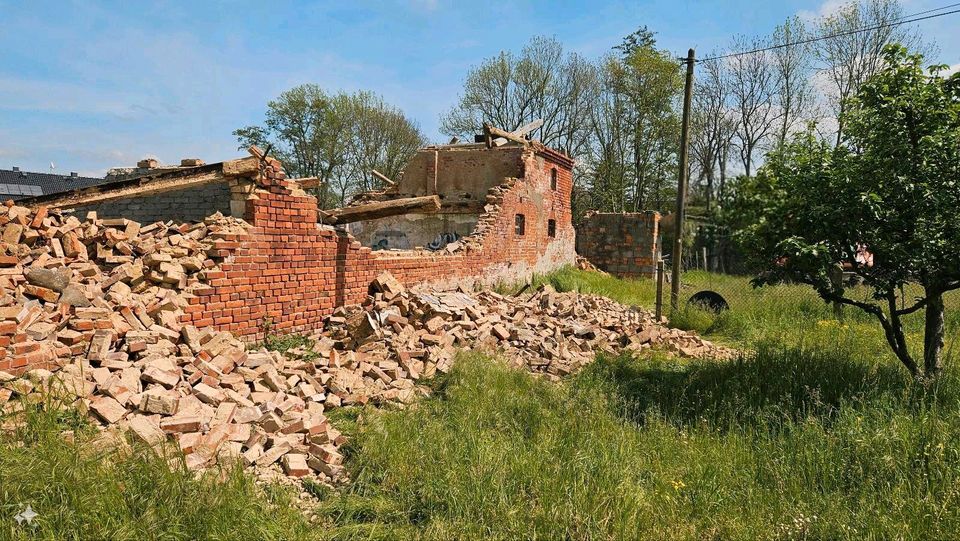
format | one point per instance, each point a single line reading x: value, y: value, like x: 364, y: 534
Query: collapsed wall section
x: 288, y: 272
x: 623, y: 244
x: 461, y: 176
x: 410, y: 231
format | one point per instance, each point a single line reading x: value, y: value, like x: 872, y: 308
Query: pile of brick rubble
x: 98, y: 302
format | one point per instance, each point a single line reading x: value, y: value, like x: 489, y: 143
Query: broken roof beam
x: 386, y: 180
x: 491, y: 133
x: 522, y: 131
x: 308, y: 182
x: 170, y: 180
x: 428, y: 204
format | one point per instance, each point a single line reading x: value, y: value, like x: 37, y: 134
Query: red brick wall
x: 291, y: 272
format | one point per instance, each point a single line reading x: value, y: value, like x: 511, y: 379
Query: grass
x: 785, y: 314
x: 818, y: 435
x: 127, y: 493
x: 790, y: 445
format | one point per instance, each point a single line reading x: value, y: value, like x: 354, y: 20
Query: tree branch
x: 920, y: 304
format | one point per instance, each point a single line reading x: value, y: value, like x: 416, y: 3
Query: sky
x: 91, y: 85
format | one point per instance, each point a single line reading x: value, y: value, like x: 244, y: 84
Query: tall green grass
x: 82, y: 493
x: 788, y: 445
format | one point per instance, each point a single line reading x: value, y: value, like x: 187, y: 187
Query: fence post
x: 705, y: 266
x: 659, y: 311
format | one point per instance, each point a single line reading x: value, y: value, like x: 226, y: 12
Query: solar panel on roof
x: 20, y: 189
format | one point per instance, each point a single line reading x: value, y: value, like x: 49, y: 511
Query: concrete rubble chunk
x: 55, y: 279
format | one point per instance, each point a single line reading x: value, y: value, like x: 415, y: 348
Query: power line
x: 907, y: 19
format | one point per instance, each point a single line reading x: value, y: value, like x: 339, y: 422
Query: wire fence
x: 719, y: 291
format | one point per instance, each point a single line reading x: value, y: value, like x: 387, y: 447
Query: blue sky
x: 91, y: 85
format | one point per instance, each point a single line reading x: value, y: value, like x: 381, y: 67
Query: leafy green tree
x: 650, y: 79
x: 635, y: 127
x: 892, y: 188
x: 337, y: 138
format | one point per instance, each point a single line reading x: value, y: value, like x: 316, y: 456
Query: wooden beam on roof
x: 498, y: 133
x: 487, y: 137
x: 520, y: 132
x: 527, y: 128
x: 382, y: 177
x: 381, y: 209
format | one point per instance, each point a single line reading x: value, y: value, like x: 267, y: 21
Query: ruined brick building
x: 504, y: 214
x: 625, y: 244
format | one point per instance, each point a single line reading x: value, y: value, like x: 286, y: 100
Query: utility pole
x: 680, y: 213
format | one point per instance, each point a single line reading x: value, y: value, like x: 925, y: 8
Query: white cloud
x: 17, y: 94
x: 828, y: 7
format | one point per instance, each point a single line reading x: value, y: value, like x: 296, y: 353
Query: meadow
x: 814, y: 433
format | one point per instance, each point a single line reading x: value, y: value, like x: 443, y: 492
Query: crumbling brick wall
x: 623, y: 244
x: 291, y: 272
x: 184, y: 205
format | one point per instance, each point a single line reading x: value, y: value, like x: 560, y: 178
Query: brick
x: 295, y: 465
x: 107, y: 409
x: 273, y: 454
x: 145, y: 430
x: 186, y: 423
x: 159, y: 402
x: 153, y: 374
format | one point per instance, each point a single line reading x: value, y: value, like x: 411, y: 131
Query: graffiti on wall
x: 442, y: 240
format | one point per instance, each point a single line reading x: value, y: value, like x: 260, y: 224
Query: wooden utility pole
x: 682, y: 183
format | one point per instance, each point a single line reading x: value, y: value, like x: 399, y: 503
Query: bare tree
x: 849, y: 58
x: 609, y: 173
x: 713, y: 126
x: 381, y: 138
x: 541, y: 82
x: 753, y: 89
x: 791, y: 67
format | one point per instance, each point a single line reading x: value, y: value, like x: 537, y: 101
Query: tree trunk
x: 709, y: 191
x: 896, y: 337
x: 840, y: 125
x: 933, y: 332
